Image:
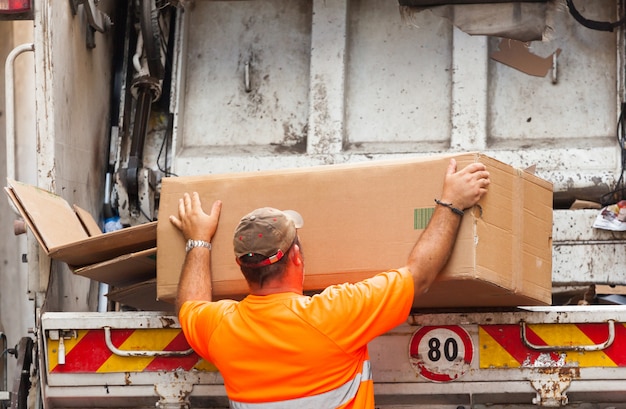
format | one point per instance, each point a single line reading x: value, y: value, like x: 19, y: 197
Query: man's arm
x: 195, y: 224
x: 462, y: 190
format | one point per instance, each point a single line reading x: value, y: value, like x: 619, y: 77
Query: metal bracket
x: 135, y: 207
x: 5, y: 396
x: 578, y: 348
x: 98, y: 21
x: 551, y: 384
x: 127, y: 353
x: 56, y: 334
x: 60, y: 336
x: 174, y: 389
x: 21, y: 383
x: 555, y: 68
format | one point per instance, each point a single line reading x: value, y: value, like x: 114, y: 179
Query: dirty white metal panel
x: 399, y: 77
x: 72, y: 104
x: 327, y: 76
x: 247, y: 73
x: 381, y: 83
x: 567, y: 168
x: 73, y: 101
x: 584, y: 255
x: 578, y: 101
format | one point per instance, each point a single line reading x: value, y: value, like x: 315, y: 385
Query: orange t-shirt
x: 304, y: 350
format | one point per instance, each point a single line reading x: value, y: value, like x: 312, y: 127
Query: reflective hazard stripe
x: 330, y: 399
x: 88, y: 352
x: 501, y: 346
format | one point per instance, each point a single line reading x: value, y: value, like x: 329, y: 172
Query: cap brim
x: 294, y: 216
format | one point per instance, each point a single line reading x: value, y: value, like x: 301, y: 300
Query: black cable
x: 164, y: 143
x: 617, y: 194
x: 592, y: 24
x: 167, y: 83
x: 145, y: 215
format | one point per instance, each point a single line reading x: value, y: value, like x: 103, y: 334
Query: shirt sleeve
x: 362, y: 311
x: 198, y: 320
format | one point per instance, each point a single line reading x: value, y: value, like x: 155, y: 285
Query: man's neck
x: 269, y: 290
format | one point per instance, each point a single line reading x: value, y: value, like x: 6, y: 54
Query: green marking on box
x: 421, y: 217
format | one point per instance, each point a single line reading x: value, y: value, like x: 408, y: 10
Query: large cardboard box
x: 360, y: 219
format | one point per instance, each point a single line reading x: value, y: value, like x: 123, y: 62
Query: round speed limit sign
x: 442, y: 353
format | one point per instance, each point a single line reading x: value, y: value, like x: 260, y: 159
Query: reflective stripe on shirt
x: 331, y: 399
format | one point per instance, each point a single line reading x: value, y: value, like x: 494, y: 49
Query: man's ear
x: 295, y: 255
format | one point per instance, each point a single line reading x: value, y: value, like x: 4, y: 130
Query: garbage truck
x: 104, y: 100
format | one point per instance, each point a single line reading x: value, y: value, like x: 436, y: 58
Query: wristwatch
x: 197, y: 243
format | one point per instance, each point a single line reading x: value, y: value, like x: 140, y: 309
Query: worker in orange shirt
x: 280, y: 349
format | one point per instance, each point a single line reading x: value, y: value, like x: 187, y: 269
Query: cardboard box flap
x: 107, y: 246
x: 51, y: 219
x: 88, y: 222
x: 141, y: 296
x: 124, y: 270
x: 63, y: 233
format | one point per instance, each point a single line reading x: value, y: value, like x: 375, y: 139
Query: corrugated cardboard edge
x: 520, y: 282
x: 107, y: 246
x: 471, y: 157
x: 124, y: 270
x: 89, y: 223
x: 542, y: 283
x: 47, y: 235
x: 27, y: 220
x: 141, y: 296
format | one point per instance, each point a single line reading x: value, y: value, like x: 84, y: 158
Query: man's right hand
x: 195, y: 224
x: 192, y: 221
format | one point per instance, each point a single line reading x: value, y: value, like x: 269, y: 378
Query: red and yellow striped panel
x: 501, y: 346
x: 89, y: 353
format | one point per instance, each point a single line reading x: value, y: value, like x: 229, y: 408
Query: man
x: 279, y: 349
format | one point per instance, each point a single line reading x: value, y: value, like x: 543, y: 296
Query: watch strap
x: 191, y: 244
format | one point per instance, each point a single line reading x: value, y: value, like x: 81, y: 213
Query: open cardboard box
x: 70, y: 234
x: 360, y: 219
